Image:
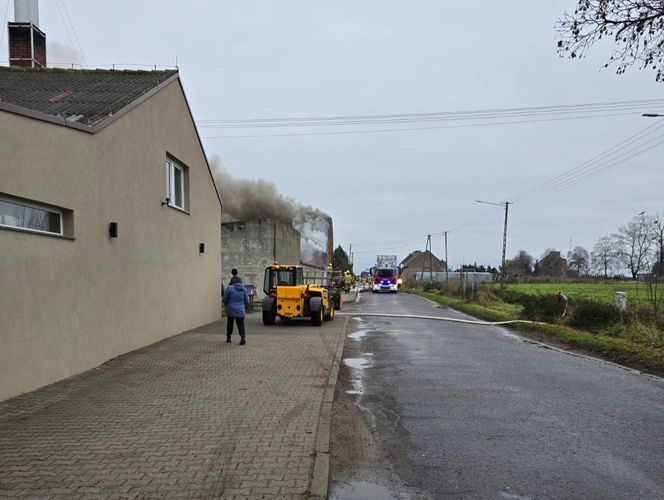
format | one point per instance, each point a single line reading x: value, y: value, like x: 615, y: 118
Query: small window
x: 30, y: 216
x: 177, y: 184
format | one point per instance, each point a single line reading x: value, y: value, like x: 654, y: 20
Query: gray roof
x: 86, y: 97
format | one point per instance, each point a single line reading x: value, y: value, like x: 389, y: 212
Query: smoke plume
x: 61, y: 55
x: 250, y: 199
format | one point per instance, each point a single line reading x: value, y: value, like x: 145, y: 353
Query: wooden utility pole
x: 505, y: 204
x: 447, y: 280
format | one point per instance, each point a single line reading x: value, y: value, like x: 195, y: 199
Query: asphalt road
x: 466, y: 411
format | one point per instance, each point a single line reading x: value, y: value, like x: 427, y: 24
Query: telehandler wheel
x: 330, y: 313
x: 269, y: 318
x: 317, y: 317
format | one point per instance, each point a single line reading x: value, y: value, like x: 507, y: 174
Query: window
x: 177, y: 183
x: 30, y: 216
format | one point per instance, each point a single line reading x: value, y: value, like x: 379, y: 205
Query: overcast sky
x: 387, y: 190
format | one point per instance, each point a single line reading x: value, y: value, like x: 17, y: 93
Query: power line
x: 597, y: 164
x: 2, y: 28
x: 484, y: 114
x: 73, y: 28
x: 413, y: 129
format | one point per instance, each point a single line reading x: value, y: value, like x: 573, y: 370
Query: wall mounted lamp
x: 113, y: 230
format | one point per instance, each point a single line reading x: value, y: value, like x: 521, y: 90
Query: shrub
x: 542, y: 307
x: 592, y: 315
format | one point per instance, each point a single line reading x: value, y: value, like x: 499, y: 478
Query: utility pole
x: 447, y: 280
x: 424, y: 257
x: 505, y: 204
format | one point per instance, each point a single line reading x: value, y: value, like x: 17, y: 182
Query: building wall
x: 68, y: 305
x: 251, y: 246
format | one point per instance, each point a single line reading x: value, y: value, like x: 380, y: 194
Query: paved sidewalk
x: 188, y: 417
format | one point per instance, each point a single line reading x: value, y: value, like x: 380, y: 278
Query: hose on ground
x: 442, y: 318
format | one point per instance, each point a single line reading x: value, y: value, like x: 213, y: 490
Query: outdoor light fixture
x: 166, y: 201
x: 201, y: 247
x: 113, y: 230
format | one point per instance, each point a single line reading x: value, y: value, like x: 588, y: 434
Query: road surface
x: 430, y: 409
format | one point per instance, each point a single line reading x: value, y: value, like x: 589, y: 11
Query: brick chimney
x: 27, y: 43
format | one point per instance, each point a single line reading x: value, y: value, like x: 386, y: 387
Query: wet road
x: 465, y: 411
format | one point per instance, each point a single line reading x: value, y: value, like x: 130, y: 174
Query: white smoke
x: 249, y: 199
x: 61, y: 55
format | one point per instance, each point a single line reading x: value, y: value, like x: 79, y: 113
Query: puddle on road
x: 362, y: 490
x: 358, y: 334
x: 358, y: 365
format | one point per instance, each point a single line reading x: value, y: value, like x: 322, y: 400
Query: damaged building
x: 261, y: 226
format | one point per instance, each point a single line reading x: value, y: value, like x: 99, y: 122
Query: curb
x: 320, y: 477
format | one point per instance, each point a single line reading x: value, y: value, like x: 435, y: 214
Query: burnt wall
x: 250, y: 246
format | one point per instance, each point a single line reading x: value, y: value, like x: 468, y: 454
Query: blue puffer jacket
x: 235, y: 299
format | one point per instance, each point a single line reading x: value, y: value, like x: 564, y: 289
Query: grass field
x: 601, y: 292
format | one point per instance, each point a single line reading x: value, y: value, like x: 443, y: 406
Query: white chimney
x: 26, y: 11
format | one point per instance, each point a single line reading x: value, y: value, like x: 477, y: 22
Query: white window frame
x: 37, y: 206
x: 171, y: 167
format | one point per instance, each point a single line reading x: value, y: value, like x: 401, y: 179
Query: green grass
x: 601, y: 292
x: 623, y: 346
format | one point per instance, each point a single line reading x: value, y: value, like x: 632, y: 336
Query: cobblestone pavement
x: 188, y: 417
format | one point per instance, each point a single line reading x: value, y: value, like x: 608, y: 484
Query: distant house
x: 419, y: 261
x: 109, y: 220
x: 552, y: 265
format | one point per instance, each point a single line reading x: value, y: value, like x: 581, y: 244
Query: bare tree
x: 521, y: 264
x: 579, y: 260
x: 634, y: 241
x: 636, y: 27
x: 604, y: 255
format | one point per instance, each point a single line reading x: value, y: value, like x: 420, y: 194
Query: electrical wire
x: 2, y: 29
x: 626, y: 149
x: 494, y: 113
x: 78, y: 42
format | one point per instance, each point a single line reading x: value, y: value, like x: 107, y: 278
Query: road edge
x: 320, y: 477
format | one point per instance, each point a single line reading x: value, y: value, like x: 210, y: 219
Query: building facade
x: 109, y: 220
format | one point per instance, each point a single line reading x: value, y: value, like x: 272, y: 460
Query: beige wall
x: 69, y: 305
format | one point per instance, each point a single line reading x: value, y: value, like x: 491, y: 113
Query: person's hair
x: 234, y: 272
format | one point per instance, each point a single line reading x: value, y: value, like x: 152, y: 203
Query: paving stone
x: 190, y: 416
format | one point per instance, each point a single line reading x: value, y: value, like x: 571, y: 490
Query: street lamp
x: 505, y: 204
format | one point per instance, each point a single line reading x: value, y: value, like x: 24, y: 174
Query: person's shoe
x: 242, y: 342
x: 228, y: 339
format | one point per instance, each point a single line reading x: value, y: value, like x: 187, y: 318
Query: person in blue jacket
x: 235, y: 299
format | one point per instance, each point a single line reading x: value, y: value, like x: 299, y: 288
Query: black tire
x: 269, y: 317
x: 317, y: 317
x: 330, y: 312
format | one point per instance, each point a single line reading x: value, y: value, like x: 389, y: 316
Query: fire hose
x: 441, y: 318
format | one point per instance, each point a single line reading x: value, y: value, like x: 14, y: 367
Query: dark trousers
x: 229, y: 326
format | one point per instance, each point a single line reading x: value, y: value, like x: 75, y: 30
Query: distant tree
x: 521, y: 264
x: 340, y: 260
x: 579, y: 260
x: 633, y: 242
x: 636, y: 27
x: 604, y: 255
